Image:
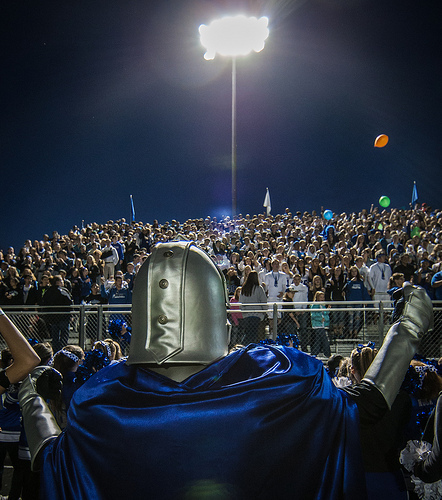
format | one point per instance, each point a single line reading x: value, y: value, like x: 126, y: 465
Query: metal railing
x: 349, y: 324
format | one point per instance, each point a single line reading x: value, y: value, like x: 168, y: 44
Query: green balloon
x: 384, y: 201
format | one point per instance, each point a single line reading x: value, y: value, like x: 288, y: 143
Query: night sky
x: 104, y: 99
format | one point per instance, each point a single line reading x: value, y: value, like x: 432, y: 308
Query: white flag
x: 267, y: 202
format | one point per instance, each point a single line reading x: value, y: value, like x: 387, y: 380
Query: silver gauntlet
x: 40, y: 425
x: 388, y: 369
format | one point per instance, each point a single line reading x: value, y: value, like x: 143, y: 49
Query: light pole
x: 233, y: 37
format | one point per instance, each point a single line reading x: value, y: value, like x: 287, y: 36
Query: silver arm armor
x: 40, y: 425
x: 388, y: 369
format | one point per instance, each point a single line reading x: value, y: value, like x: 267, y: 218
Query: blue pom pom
x: 93, y: 362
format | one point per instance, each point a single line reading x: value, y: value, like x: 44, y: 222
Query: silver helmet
x: 179, y: 313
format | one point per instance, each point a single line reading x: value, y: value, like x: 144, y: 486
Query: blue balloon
x: 328, y: 214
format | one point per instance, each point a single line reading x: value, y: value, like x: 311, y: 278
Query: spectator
x: 43, y: 287
x: 436, y: 283
x: 130, y: 248
x: 316, y: 270
x: 405, y: 267
x: 428, y: 466
x: 232, y: 280
x: 381, y: 443
x: 423, y: 276
x: 236, y: 318
x: 66, y: 362
x: 252, y: 293
x: 93, y: 269
x: 110, y: 259
x: 58, y: 320
x: 28, y: 289
x: 10, y: 428
x: 379, y: 276
x: 86, y: 283
x: 289, y: 322
x: 285, y: 268
x: 77, y: 285
x: 303, y: 271
x: 355, y: 291
x: 116, y: 294
x: 129, y: 276
x: 66, y: 282
x: 13, y: 294
x: 63, y: 262
x: 320, y: 324
x: 246, y: 271
x: 363, y: 271
x: 301, y: 295
x: 334, y: 291
x: 395, y: 244
x: 315, y: 286
x: 120, y: 250
x: 275, y: 282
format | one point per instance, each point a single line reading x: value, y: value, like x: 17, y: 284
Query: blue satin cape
x: 264, y: 422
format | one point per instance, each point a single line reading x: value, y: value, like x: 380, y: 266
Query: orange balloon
x: 381, y: 141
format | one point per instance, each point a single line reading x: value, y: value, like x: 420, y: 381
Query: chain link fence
x: 83, y: 324
x: 349, y: 324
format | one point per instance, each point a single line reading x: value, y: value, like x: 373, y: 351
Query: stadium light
x: 233, y: 37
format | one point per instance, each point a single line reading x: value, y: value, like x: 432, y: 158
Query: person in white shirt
x: 379, y: 276
x: 110, y: 258
x: 301, y: 295
x: 276, y: 283
x: 363, y: 271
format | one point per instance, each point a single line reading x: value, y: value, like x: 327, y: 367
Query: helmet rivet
x: 169, y: 253
x: 163, y: 284
x: 162, y: 319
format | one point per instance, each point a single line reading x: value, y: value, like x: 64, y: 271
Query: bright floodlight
x: 234, y: 36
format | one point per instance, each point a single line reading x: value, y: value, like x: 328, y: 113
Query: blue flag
x: 132, y: 208
x: 414, y: 196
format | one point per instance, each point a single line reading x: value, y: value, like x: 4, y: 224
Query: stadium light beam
x: 233, y: 37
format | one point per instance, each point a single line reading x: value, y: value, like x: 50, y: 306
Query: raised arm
x: 388, y: 369
x: 25, y: 358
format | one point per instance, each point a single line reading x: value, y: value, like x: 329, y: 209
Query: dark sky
x: 104, y: 99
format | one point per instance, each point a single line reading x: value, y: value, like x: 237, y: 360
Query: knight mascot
x: 183, y: 419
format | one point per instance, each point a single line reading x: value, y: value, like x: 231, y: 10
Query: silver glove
x: 388, y: 369
x: 40, y: 425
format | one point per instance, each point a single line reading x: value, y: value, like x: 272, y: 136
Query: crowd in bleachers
x: 289, y: 257
x: 304, y: 244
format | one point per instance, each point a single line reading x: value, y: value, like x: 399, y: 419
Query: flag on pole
x: 132, y: 209
x: 414, y: 196
x: 267, y: 202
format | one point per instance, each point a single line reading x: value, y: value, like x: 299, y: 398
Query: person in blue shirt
x: 120, y: 250
x: 355, y: 291
x: 436, y: 283
x: 117, y: 294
